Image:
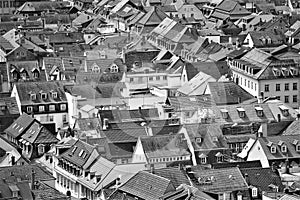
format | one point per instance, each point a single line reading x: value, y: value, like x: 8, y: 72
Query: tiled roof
x: 147, y: 186
x: 228, y: 93
x: 11, y: 106
x: 24, y: 172
x: 46, y: 192
x: 81, y: 154
x: 289, y: 140
x: 23, y: 189
x: 166, y: 145
x: 26, y: 88
x: 175, y: 175
x: 211, y: 134
x: 258, y: 36
x: 87, y: 124
x: 153, y: 17
x: 261, y: 178
x: 19, y: 126
x: 121, y: 136
x: 38, y: 134
x: 121, y: 150
x: 5, y: 44
x: 190, y: 103
x: 26, y: 67
x: 165, y: 129
x: 85, y: 91
x: 214, y: 69
x: 293, y: 128
x: 224, y: 180
x: 241, y: 165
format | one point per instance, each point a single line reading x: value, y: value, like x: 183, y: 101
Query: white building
x: 263, y: 75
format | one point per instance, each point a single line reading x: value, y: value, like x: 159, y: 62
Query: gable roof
x: 24, y: 90
x: 81, y: 154
x: 19, y: 126
x: 181, y: 103
x: 261, y: 178
x: 38, y: 134
x: 224, y: 180
x: 147, y: 186
x: 153, y: 17
x: 164, y: 145
x: 228, y: 93
x: 293, y: 128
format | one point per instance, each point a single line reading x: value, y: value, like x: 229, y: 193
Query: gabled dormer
x: 53, y: 94
x: 35, y: 73
x: 282, y: 146
x: 284, y: 110
x: 43, y: 95
x: 242, y: 112
x: 272, y: 147
x: 259, y: 111
x: 114, y: 68
x: 276, y: 71
x: 23, y: 73
x: 32, y: 96
x: 15, y: 74
x: 284, y: 71
x: 224, y: 113
x: 296, y: 143
x: 294, y: 71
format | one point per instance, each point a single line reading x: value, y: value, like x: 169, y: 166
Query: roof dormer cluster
x: 284, y: 146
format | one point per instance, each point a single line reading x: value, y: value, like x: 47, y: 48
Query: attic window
x: 283, y: 148
x: 259, y: 111
x: 224, y: 113
x: 81, y: 152
x: 254, y: 192
x: 43, y: 95
x: 284, y: 71
x: 276, y: 72
x: 284, y: 110
x: 198, y: 140
x: 54, y: 95
x: 33, y: 96
x: 114, y: 69
x: 294, y: 71
x: 202, y: 158
x: 273, y: 149
x: 241, y: 112
x: 298, y: 147
x: 41, y: 148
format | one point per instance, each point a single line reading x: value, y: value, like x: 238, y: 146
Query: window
x: 203, y: 160
x: 165, y: 77
x: 54, y: 95
x: 277, y: 87
x: 51, y: 107
x: 96, y: 69
x: 294, y: 86
x: 51, y: 118
x: 64, y: 118
x: 158, y: 78
x: 294, y: 98
x: 254, y: 192
x: 35, y: 74
x: 41, y: 148
x: 114, y: 69
x: 151, y: 78
x: 286, y: 99
x: 286, y: 87
x: 63, y: 107
x: 33, y: 97
x: 283, y: 149
x: 267, y: 88
x: 278, y: 97
x: 131, y: 80
x: 29, y: 109
x: 248, y: 84
x: 41, y: 108
x: 43, y: 95
x: 273, y: 149
x: 220, y: 159
x: 298, y: 148
x: 251, y: 85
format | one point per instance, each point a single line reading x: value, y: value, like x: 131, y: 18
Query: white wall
x: 138, y: 154
x: 257, y: 153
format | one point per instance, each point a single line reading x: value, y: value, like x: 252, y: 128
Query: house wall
x: 251, y: 86
x: 248, y: 42
x: 282, y: 93
x: 257, y: 153
x: 14, y: 93
x: 138, y: 154
x: 58, y: 119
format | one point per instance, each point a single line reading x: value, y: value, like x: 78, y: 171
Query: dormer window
x: 29, y: 109
x: 219, y: 157
x: 43, y: 95
x: 273, y: 149
x: 283, y: 148
x: 241, y: 112
x: 284, y: 110
x: 63, y: 107
x: 198, y: 140
x: 294, y: 71
x: 114, y: 69
x: 41, y: 148
x: 276, y: 72
x: 81, y: 153
x: 259, y: 111
x: 202, y: 158
x: 254, y: 191
x: 224, y: 113
x: 33, y: 96
x: 54, y: 95
x: 284, y: 71
x: 298, y: 147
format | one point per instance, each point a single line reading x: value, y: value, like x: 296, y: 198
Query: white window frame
x: 203, y: 160
x: 273, y: 149
x: 63, y: 107
x: 254, y: 192
x: 114, y: 69
x: 41, y: 108
x: 29, y: 109
x: 51, y: 107
x: 283, y: 148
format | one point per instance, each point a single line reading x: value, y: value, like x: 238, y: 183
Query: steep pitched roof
x: 214, y: 69
x: 293, y: 128
x: 229, y: 179
x: 147, y: 186
x: 234, y: 93
x: 190, y: 103
x: 19, y: 126
x: 78, y: 154
x: 153, y: 17
x: 261, y: 178
x: 166, y: 145
x: 38, y: 134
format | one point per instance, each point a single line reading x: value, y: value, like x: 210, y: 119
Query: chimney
x: 152, y: 169
x: 13, y: 160
x: 261, y: 97
x: 32, y: 179
x: 105, y: 123
x: 246, y: 178
x: 287, y: 166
